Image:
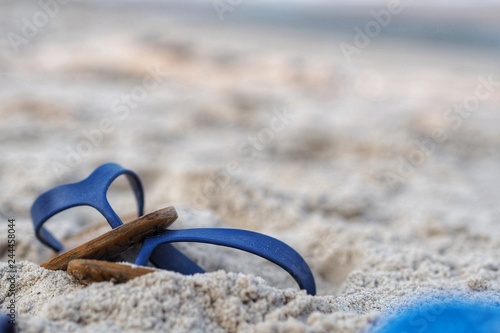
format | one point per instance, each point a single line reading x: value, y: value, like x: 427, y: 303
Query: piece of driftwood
x: 88, y: 271
x: 116, y: 241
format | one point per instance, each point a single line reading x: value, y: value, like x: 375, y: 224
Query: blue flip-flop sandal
x: 157, y: 249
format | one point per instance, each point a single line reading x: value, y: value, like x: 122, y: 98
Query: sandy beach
x: 380, y: 168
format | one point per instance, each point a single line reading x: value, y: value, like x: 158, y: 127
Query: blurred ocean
x: 461, y: 22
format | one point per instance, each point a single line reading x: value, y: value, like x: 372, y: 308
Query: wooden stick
x: 116, y: 241
x: 87, y: 271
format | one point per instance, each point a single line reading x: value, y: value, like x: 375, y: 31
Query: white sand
x: 319, y: 183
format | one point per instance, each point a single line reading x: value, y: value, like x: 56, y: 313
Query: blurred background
x: 348, y: 129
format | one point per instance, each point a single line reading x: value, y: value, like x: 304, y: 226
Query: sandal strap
x: 264, y: 246
x: 88, y: 192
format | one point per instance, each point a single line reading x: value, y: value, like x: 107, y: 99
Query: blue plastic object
x: 157, y: 249
x: 445, y: 316
x: 5, y: 325
x: 259, y: 244
x: 91, y: 191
